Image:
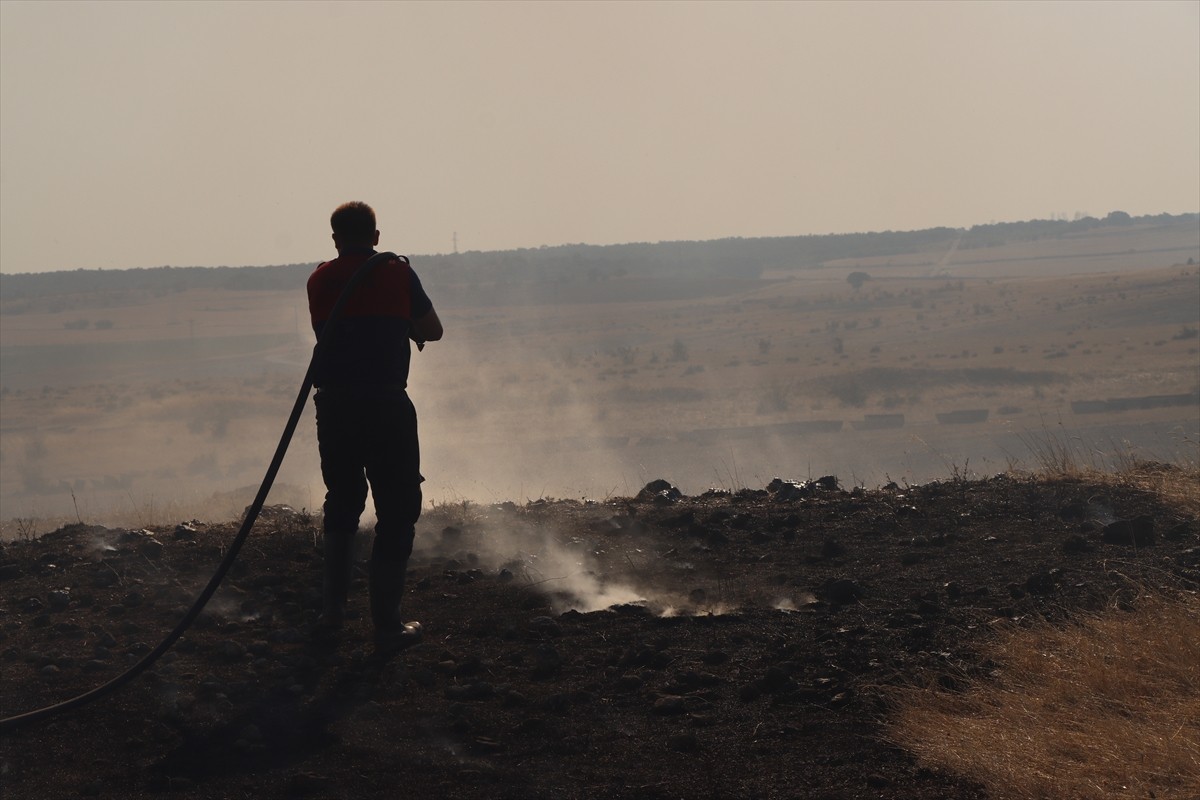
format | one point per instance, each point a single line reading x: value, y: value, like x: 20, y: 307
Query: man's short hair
x: 353, y: 221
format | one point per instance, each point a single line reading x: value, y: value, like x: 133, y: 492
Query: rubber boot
x: 339, y: 568
x: 387, y: 593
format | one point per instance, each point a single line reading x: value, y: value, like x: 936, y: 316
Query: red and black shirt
x: 368, y: 345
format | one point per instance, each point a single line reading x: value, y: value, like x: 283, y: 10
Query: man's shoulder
x: 317, y: 275
x: 330, y: 269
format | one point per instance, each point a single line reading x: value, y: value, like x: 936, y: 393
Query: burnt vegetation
x: 731, y: 644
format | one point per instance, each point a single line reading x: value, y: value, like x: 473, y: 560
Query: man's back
x: 369, y: 346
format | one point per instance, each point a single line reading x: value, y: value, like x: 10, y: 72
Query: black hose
x: 11, y: 724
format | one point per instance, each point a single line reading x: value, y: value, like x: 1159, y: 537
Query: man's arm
x: 426, y: 328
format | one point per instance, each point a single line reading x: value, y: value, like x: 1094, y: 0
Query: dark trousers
x: 369, y: 435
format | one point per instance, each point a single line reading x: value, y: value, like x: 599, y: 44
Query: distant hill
x: 731, y: 258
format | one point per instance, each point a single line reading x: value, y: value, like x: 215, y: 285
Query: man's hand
x: 427, y: 328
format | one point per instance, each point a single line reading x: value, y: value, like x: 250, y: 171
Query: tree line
x: 744, y: 258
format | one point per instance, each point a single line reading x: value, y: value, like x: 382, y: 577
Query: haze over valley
x: 150, y: 396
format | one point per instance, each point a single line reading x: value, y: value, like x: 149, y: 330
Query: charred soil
x: 726, y: 645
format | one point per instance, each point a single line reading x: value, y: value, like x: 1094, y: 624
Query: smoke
x: 568, y: 569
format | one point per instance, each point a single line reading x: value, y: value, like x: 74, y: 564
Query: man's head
x: 354, y: 225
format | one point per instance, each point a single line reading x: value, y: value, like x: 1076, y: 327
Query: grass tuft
x: 1107, y: 706
x: 1059, y: 455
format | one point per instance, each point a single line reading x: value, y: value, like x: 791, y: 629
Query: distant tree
x: 1118, y: 218
x: 857, y: 279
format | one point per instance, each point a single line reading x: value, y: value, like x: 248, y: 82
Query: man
x: 366, y: 424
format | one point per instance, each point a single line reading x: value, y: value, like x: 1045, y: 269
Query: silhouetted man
x: 366, y: 424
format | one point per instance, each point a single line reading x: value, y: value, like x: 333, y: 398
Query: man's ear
x: 376, y: 242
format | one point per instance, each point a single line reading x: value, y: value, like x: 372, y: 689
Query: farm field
x: 141, y: 408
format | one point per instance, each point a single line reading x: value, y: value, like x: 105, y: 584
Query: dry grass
x: 1105, y: 707
x: 1176, y: 480
x: 1176, y: 485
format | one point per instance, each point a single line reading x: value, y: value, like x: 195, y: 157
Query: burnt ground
x: 758, y: 664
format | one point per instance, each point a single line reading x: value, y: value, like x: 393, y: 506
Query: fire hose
x: 11, y: 724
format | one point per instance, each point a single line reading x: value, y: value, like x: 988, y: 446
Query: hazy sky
x: 141, y: 134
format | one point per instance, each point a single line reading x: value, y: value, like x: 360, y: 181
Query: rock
x: 659, y: 491
x: 9, y: 571
x: 1138, y: 532
x: 184, y: 532
x: 1043, y: 582
x: 927, y: 605
x: 1076, y: 543
x: 841, y: 591
x: 785, y: 491
x: 58, y: 600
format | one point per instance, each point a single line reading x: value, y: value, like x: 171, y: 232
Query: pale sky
x: 141, y: 134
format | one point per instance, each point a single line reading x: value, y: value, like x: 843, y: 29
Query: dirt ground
x: 749, y: 653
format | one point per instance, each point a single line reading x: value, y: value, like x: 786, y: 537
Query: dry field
x: 167, y: 407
